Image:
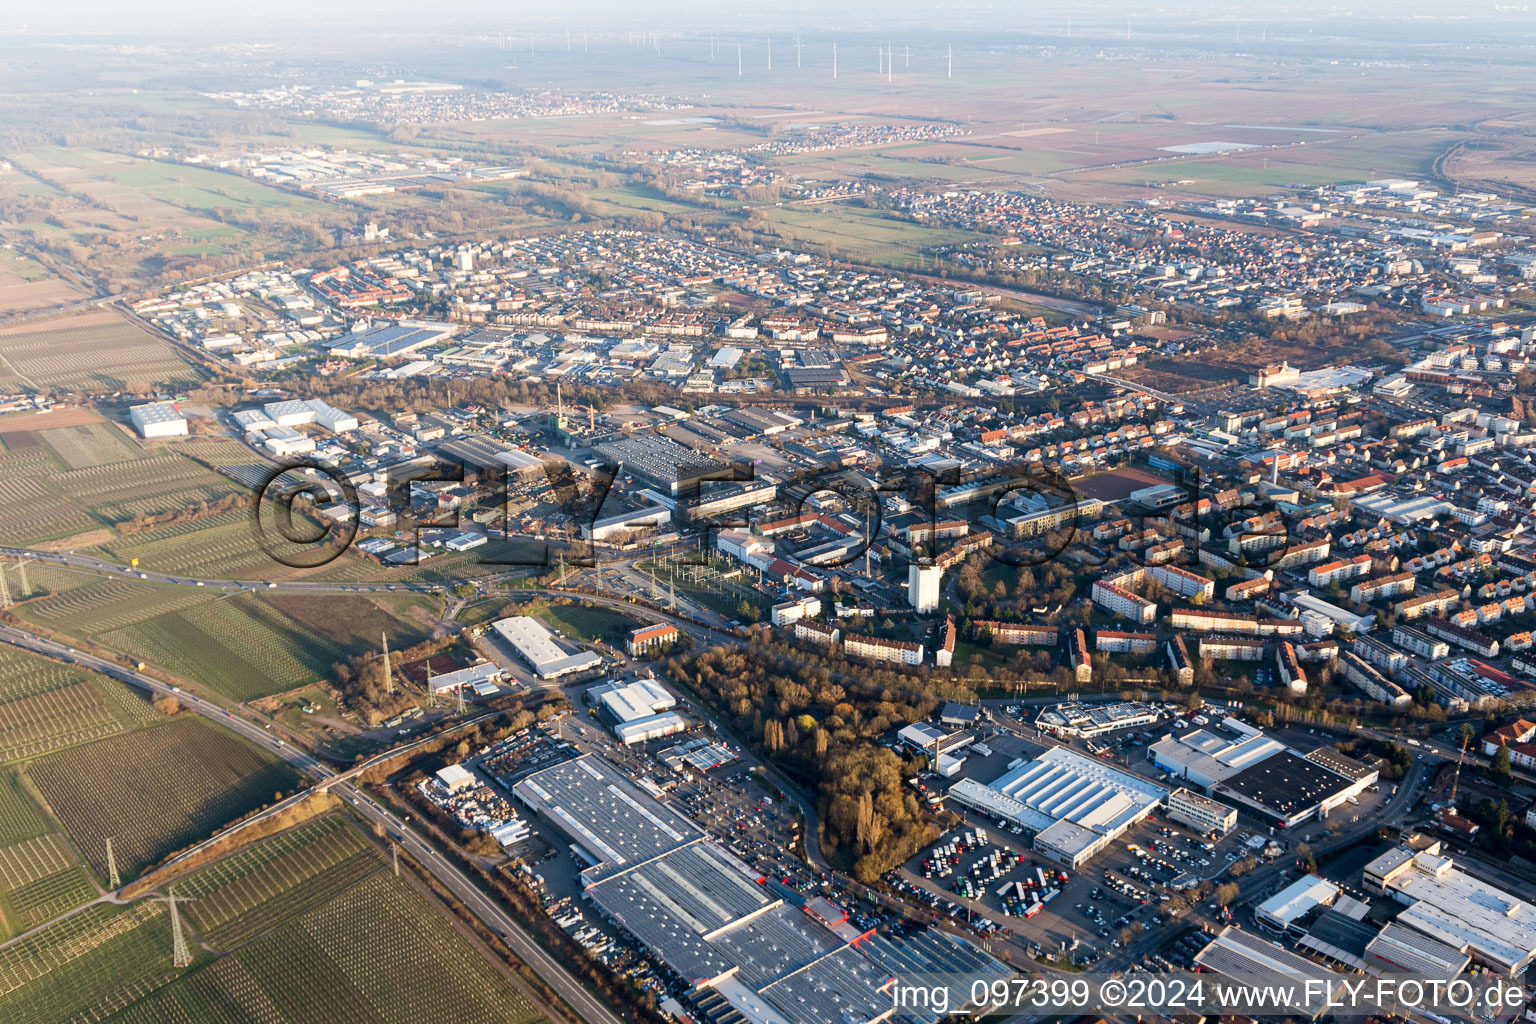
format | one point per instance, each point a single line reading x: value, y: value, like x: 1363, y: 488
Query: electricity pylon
x: 389, y: 676
x: 180, y: 955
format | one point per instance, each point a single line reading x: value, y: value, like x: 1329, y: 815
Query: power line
x: 180, y: 955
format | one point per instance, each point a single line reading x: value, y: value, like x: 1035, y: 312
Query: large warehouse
x: 158, y: 419
x: 641, y: 710
x: 1239, y: 765
x: 1075, y: 805
x: 700, y: 909
x: 1447, y: 904
x: 1205, y: 755
x: 1286, y: 789
x: 1264, y: 966
x: 536, y: 646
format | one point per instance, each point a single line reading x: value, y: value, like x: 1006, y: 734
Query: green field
x: 582, y: 623
x: 96, y: 444
x: 240, y: 647
x: 70, y: 481
x: 323, y: 935
x: 258, y: 888
x: 40, y: 877
x: 45, y: 706
x: 86, y: 965
x: 153, y: 791
x: 847, y: 231
x: 249, y: 646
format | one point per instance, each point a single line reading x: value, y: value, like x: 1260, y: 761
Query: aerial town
x: 585, y: 523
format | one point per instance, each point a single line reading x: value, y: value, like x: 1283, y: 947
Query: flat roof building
x: 158, y: 419
x: 1252, y: 961
x: 1206, y: 755
x: 1286, y: 789
x: 1075, y: 805
x: 1497, y: 928
x: 535, y: 645
x: 700, y: 910
x: 1201, y: 813
x: 1071, y: 718
x: 1283, y: 911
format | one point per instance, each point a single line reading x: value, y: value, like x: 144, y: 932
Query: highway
x: 1255, y: 885
x: 455, y: 881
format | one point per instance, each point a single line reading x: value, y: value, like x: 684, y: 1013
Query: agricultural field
x: 40, y: 877
x: 154, y: 216
x: 87, y: 965
x: 258, y: 888
x: 249, y: 646
x: 96, y: 351
x: 222, y: 547
x: 46, y: 706
x: 854, y: 232
x: 310, y: 926
x: 74, y: 479
x: 97, y: 444
x: 240, y: 646
x: 26, y: 285
x: 153, y: 791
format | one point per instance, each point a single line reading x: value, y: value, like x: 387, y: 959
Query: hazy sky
x: 288, y: 18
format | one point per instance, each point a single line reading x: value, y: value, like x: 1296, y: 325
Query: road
x: 1255, y: 884
x: 455, y: 881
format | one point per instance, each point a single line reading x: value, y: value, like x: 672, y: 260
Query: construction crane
x: 1456, y: 779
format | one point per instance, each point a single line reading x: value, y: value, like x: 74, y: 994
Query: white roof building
x: 1445, y: 903
x: 473, y: 677
x: 649, y: 728
x: 455, y: 777
x: 633, y: 701
x: 1076, y: 805
x: 534, y: 643
x: 158, y: 419
x: 1206, y: 756
x: 1288, y: 906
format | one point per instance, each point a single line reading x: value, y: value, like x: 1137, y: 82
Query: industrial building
x: 483, y: 679
x: 1071, y: 718
x: 1239, y: 765
x: 1201, y: 813
x: 640, y: 710
x: 1283, y: 912
x: 1286, y: 789
x: 622, y: 523
x: 536, y: 646
x: 1251, y: 961
x: 158, y: 419
x: 1398, y: 949
x: 1074, y: 805
x: 1207, y: 754
x: 703, y: 912
x: 389, y: 342
x: 662, y: 461
x: 1445, y: 903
